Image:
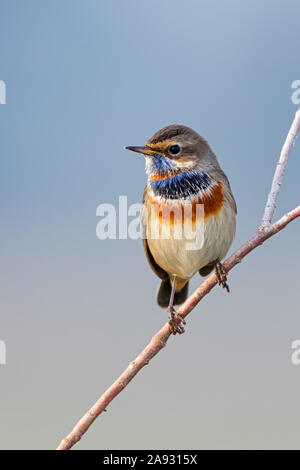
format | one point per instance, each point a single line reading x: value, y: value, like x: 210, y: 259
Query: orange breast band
x: 173, y: 211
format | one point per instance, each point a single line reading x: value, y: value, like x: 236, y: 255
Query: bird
x: 184, y: 173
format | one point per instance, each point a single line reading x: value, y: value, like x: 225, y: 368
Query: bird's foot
x: 221, y: 275
x: 176, y: 327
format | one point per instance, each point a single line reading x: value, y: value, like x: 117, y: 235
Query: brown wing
x: 161, y: 273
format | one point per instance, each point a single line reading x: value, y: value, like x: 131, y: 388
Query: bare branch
x: 158, y: 341
x: 278, y: 175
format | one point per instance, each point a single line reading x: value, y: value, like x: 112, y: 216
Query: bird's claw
x: 221, y: 276
x: 176, y: 327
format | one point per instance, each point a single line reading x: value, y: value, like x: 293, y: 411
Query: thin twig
x: 158, y: 341
x: 278, y: 175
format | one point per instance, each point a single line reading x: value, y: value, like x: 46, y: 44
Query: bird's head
x: 172, y: 150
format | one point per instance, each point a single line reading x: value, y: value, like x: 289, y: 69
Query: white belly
x: 177, y: 256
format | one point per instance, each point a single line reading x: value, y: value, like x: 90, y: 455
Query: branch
x: 278, y: 175
x: 159, y: 341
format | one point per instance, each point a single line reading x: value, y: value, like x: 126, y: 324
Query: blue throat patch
x: 181, y: 186
x: 159, y: 164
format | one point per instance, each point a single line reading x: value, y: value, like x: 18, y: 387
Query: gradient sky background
x: 85, y: 78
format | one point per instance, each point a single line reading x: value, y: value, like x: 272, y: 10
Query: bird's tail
x: 164, y: 292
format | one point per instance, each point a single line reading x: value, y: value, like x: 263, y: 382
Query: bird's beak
x: 143, y: 150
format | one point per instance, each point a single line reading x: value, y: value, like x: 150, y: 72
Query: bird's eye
x: 174, y: 149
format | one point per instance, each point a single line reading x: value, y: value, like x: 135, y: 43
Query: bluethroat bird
x: 184, y: 172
